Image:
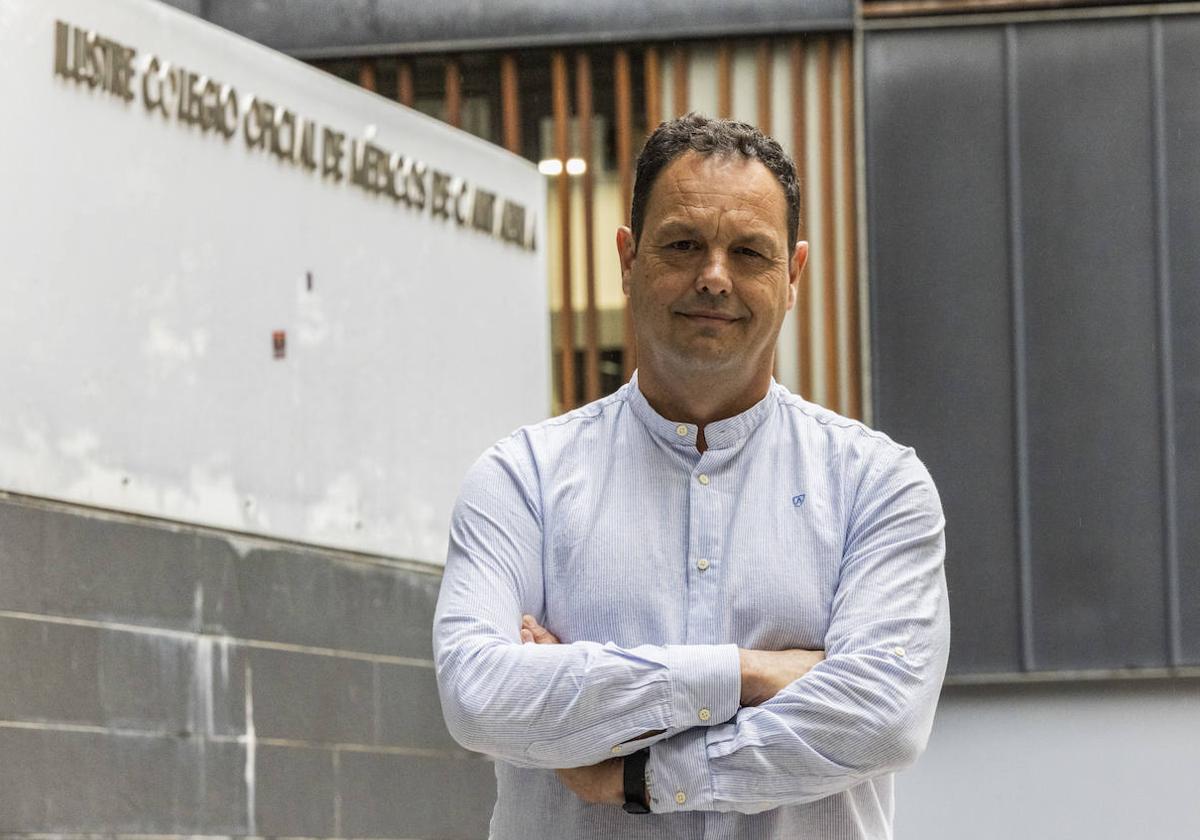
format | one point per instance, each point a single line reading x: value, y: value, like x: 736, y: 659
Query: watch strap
x: 635, y: 782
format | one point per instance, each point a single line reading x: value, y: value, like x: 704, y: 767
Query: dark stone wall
x: 162, y: 679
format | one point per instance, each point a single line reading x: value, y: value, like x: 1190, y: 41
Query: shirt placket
x: 704, y: 548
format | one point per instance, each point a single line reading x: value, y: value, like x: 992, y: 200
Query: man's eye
x: 682, y: 245
x: 748, y: 252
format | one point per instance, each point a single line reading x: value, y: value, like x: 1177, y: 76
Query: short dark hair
x: 706, y: 136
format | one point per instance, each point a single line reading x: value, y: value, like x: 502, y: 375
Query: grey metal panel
x: 192, y: 7
x: 1086, y: 204
x: 942, y: 345
x: 314, y: 28
x: 1182, y: 68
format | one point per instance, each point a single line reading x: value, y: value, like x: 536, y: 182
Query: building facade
x: 1000, y: 197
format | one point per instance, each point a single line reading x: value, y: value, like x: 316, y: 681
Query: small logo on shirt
x: 798, y: 499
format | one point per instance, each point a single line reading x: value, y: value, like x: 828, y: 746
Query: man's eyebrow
x: 675, y: 227
x: 759, y: 239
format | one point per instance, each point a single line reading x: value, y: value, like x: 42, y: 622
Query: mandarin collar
x: 720, y: 434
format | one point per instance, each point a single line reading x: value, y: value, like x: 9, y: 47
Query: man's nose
x: 713, y: 277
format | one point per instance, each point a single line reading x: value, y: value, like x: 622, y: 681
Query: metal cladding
x: 316, y: 28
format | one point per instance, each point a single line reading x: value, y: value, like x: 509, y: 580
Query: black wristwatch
x: 635, y: 782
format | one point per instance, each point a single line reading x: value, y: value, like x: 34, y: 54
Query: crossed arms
x: 763, y: 675
x: 723, y: 737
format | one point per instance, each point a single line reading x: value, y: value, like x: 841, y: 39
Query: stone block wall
x: 170, y: 680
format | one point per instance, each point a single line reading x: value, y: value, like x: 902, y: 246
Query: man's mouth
x: 709, y: 316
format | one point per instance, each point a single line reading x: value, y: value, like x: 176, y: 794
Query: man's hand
x: 600, y: 784
x: 533, y: 632
x: 767, y: 672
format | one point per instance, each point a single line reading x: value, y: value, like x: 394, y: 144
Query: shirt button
x: 681, y: 430
x: 702, y: 564
x: 703, y: 479
x: 680, y: 797
x: 616, y: 749
x: 704, y: 714
x: 899, y: 651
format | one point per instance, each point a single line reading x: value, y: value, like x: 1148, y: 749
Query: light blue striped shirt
x: 653, y: 563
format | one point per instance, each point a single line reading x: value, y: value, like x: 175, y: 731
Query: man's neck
x: 701, y: 398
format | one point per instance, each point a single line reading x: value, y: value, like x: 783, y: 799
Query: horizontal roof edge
x: 342, y: 28
x: 550, y: 41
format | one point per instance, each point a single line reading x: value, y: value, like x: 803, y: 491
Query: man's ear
x: 795, y: 270
x: 626, y: 252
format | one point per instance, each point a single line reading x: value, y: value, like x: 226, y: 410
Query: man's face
x: 714, y: 273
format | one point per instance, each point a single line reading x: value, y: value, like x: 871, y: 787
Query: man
x: 701, y: 596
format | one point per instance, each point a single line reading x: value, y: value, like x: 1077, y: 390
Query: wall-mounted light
x: 554, y: 166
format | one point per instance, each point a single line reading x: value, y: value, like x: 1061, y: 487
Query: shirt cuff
x: 706, y: 684
x: 677, y: 776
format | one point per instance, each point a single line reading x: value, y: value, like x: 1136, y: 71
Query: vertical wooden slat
x: 591, y: 321
x: 623, y: 105
x: 510, y: 103
x: 566, y: 314
x: 724, y: 80
x: 850, y: 226
x: 453, y: 92
x: 679, y: 78
x: 366, y: 74
x: 804, y: 329
x: 652, y: 76
x: 763, y: 67
x: 764, y: 62
x: 829, y: 325
x: 405, y: 90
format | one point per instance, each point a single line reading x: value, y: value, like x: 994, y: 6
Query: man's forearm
x: 835, y: 728
x: 577, y: 704
x: 765, y: 673
x: 762, y: 675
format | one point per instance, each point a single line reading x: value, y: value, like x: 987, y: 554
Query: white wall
x: 147, y: 264
x: 1096, y: 761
